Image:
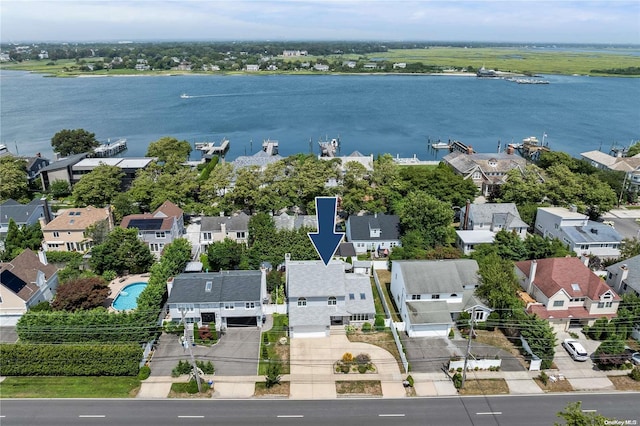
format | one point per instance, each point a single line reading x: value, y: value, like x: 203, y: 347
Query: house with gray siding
x: 375, y: 232
x: 24, y: 214
x: 320, y: 296
x: 159, y: 228
x: 219, y: 299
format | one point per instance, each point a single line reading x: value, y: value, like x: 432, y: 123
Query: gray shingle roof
x: 438, y: 276
x: 291, y: 222
x: 227, y: 286
x: 313, y: 279
x: 238, y: 222
x: 464, y: 163
x: 20, y: 213
x: 633, y: 276
x: 497, y: 214
x: 585, y: 234
x: 389, y: 225
x: 64, y: 162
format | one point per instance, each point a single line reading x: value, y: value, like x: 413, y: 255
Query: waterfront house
x: 628, y: 165
x: 376, y: 232
x: 323, y: 296
x: 252, y: 68
x: 221, y: 299
x: 580, y: 234
x: 566, y: 291
x: 431, y: 294
x: 487, y: 171
x: 219, y: 228
x: 25, y: 281
x: 60, y: 170
x: 159, y: 228
x: 129, y: 166
x: 68, y: 231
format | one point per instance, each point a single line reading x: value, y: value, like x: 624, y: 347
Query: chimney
x: 585, y: 259
x: 510, y: 150
x: 263, y: 283
x: 532, y: 275
x: 469, y: 149
x: 169, y: 286
x: 620, y: 277
x: 465, y: 222
x: 42, y: 256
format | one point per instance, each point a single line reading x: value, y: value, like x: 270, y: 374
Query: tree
x: 541, y: 338
x: 68, y: 142
x: 630, y: 247
x: 123, y: 205
x: 225, y: 255
x: 522, y: 187
x: 273, y: 372
x: 385, y: 184
x: 81, y: 294
x: 441, y: 182
x: 573, y: 415
x: 169, y: 149
x: 610, y: 354
x: 510, y: 246
x: 13, y: 176
x: 98, y: 231
x: 421, y: 212
x: 98, y: 187
x: 121, y: 251
x: 19, y: 238
x: 355, y: 188
x: 60, y: 188
x: 633, y: 149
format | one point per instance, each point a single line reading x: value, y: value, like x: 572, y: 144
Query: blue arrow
x: 326, y: 240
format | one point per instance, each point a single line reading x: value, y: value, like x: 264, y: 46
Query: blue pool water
x: 128, y: 296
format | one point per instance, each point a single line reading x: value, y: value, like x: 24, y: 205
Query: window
x: 479, y: 315
x: 206, y: 235
x: 608, y: 304
x: 240, y: 234
x: 435, y: 296
x: 454, y: 295
x: 332, y: 301
x: 558, y: 303
x: 249, y: 305
x: 600, y: 305
x: 229, y: 306
x: 415, y: 297
x: 556, y: 226
x: 577, y: 299
x: 302, y: 301
x: 56, y: 234
x: 359, y: 317
x: 161, y: 234
x: 362, y: 296
x: 352, y: 296
x: 207, y: 286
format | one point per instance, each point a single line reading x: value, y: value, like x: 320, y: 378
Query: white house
x: 629, y: 165
x: 580, y: 234
x: 624, y: 276
x: 253, y: 67
x: 221, y: 299
x: 376, y: 232
x: 25, y: 281
x: 320, y: 296
x: 219, y: 228
x: 431, y: 294
x: 566, y: 291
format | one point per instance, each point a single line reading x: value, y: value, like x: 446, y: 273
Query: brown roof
x: 169, y: 209
x: 558, y: 273
x: 77, y: 219
x: 26, y: 266
x: 167, y: 222
x: 577, y: 312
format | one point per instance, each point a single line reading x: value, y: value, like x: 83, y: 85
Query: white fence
x: 482, y: 364
x: 396, y: 338
x: 275, y: 309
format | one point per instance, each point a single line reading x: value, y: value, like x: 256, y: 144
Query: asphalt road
x: 527, y: 410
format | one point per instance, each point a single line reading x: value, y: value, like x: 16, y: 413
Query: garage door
x: 242, y: 321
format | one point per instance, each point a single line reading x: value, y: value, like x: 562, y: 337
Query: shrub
x: 144, y: 373
x: 451, y: 334
x: 265, y: 352
x: 362, y: 359
x: 544, y: 378
x: 265, y: 339
x: 366, y: 327
x: 206, y: 367
x: 183, y: 367
x: 40, y: 307
x: 192, y: 387
x: 410, y: 380
x: 635, y: 374
x: 345, y: 368
x: 362, y: 368
x: 109, y: 276
x: 379, y: 323
x: 205, y: 333
x: 457, y: 380
x: 173, y: 327
x: 273, y: 372
x: 347, y: 358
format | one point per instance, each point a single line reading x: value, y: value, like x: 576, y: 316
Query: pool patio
x: 118, y: 284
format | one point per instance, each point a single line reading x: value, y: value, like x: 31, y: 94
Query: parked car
x: 635, y: 358
x: 575, y: 349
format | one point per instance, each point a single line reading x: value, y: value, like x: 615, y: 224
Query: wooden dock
x: 110, y: 149
x: 210, y: 149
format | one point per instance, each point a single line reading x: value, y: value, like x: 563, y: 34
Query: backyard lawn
x: 69, y: 387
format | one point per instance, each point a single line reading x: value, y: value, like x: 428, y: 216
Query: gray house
x: 218, y: 228
x: 221, y: 299
x: 431, y: 294
x: 321, y: 296
x: 624, y: 277
x: 23, y: 214
x: 295, y: 221
x: 159, y: 228
x: 377, y: 232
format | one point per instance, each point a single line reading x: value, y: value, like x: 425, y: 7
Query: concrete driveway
x: 235, y: 354
x: 429, y: 354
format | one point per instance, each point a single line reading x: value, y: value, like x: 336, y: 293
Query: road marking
x: 390, y: 415
x: 91, y: 416
x: 290, y: 416
x: 589, y: 411
x: 191, y: 417
x: 489, y: 413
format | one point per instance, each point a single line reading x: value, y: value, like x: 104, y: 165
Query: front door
x: 336, y: 321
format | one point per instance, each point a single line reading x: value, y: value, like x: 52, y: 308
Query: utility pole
x: 193, y: 360
x: 466, y: 357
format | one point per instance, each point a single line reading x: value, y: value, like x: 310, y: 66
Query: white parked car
x: 635, y: 358
x: 575, y: 349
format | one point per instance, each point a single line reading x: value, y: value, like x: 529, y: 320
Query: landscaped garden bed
x: 190, y: 390
x: 359, y: 387
x: 281, y: 389
x: 485, y: 387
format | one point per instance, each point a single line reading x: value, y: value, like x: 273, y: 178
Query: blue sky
x: 608, y: 21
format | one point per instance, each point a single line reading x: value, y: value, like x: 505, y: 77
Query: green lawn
x: 280, y: 322
x: 376, y: 298
x: 69, y: 387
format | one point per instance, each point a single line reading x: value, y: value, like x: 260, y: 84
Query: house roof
x: 428, y: 312
x: 438, y: 276
x: 577, y: 312
x: 168, y: 209
x: 561, y: 273
x: 239, y: 222
x: 624, y: 164
x: 504, y: 214
x: 487, y: 162
x: 147, y: 222
x: 346, y: 250
x: 64, y: 162
x: 227, y: 286
x: 20, y: 213
x: 291, y: 222
x: 563, y: 212
x: 633, y: 274
x: 389, y: 225
x: 594, y: 232
x: 21, y: 273
x: 311, y: 278
x: 480, y: 236
x: 260, y: 159
x: 76, y: 219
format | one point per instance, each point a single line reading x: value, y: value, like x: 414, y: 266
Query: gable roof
x: 311, y: 278
x: 346, y: 250
x: 147, y: 222
x: 20, y: 213
x: 239, y: 222
x: 64, y: 162
x: 21, y: 273
x: 76, y: 219
x: 625, y: 164
x: 389, y: 225
x: 505, y: 214
x: 438, y: 276
x: 560, y: 273
x: 633, y: 274
x: 296, y: 221
x: 227, y: 286
x: 168, y: 209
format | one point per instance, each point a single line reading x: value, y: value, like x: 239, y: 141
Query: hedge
x: 24, y: 359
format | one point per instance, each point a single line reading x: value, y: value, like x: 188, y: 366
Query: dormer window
x: 493, y: 162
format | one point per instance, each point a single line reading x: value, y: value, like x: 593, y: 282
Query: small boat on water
x: 440, y: 145
x: 185, y: 96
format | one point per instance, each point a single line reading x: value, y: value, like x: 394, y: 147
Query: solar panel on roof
x: 145, y: 224
x: 8, y: 279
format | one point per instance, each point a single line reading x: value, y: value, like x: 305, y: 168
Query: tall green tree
x: 98, y: 187
x: 225, y: 255
x: 441, y: 182
x: 421, y: 212
x: 13, y: 179
x: 68, y: 142
x: 169, y: 149
x: 121, y: 251
x: 355, y: 187
x: 385, y: 184
x: 123, y: 205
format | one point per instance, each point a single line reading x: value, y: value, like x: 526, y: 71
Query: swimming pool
x: 128, y: 296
